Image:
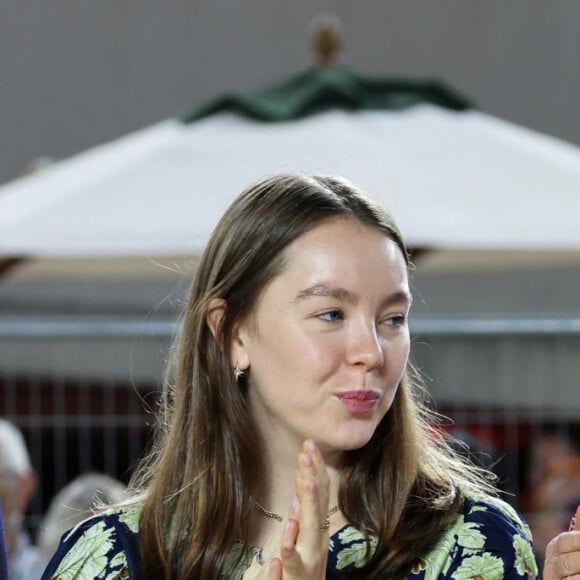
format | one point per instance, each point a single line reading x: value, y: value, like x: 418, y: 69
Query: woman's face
x: 328, y: 341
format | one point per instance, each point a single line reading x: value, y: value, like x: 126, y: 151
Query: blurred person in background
x: 3, y: 561
x: 562, y: 558
x: 17, y: 486
x: 553, y: 489
x: 75, y: 502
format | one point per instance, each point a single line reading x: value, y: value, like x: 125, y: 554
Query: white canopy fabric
x: 451, y: 179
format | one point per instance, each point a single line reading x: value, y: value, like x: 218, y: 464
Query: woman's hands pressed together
x: 305, y: 540
x: 563, y: 554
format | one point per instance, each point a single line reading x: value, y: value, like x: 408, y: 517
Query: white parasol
x: 453, y: 177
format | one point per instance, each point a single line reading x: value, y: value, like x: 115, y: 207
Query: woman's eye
x: 396, y: 321
x: 331, y: 315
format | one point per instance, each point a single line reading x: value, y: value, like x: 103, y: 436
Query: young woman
x: 293, y: 441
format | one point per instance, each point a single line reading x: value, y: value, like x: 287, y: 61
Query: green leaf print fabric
x: 487, y: 541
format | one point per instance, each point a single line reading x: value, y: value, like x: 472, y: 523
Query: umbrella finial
x: 326, y: 39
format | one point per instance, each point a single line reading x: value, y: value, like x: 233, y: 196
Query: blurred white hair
x: 14, y: 456
x: 75, y: 502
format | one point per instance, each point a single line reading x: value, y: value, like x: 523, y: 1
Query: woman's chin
x: 351, y: 442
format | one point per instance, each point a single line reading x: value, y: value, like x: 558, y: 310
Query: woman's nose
x: 366, y: 349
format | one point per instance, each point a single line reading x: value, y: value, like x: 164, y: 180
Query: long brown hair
x: 206, y: 466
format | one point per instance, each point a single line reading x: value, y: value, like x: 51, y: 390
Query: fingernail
x: 312, y: 445
x: 295, y: 506
x: 307, y: 460
x: 572, y: 525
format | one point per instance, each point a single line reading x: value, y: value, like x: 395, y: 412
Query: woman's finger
x: 304, y: 545
x: 312, y: 543
x: 311, y: 448
x: 276, y: 569
x: 313, y: 514
x: 290, y: 557
x: 298, y: 486
x: 311, y: 466
x: 575, y: 523
x: 290, y: 534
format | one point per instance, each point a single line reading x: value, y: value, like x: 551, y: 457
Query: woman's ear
x: 239, y: 354
x: 238, y: 351
x: 213, y: 318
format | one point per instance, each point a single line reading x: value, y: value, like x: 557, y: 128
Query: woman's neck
x: 279, y: 490
x: 278, y: 493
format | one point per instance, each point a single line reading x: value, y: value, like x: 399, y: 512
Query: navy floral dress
x: 487, y: 541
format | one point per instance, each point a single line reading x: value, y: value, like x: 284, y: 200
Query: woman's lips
x: 359, y: 402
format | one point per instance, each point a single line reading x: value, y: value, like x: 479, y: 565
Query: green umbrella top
x: 323, y: 88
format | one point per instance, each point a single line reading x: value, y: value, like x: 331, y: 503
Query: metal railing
x: 109, y: 326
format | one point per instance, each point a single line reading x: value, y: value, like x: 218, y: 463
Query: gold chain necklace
x: 279, y: 518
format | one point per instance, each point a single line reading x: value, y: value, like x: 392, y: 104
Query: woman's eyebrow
x: 401, y: 296
x: 345, y: 295
x: 337, y: 292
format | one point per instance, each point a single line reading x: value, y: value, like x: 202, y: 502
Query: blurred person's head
x: 553, y: 444
x: 17, y: 480
x: 554, y: 481
x: 74, y: 503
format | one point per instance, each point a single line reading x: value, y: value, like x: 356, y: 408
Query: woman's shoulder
x: 496, y: 516
x: 486, y: 539
x: 103, y: 546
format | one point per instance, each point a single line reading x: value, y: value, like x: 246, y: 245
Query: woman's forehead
x: 343, y: 254
x: 342, y: 237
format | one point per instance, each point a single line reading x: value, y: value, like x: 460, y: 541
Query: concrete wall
x: 74, y: 74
